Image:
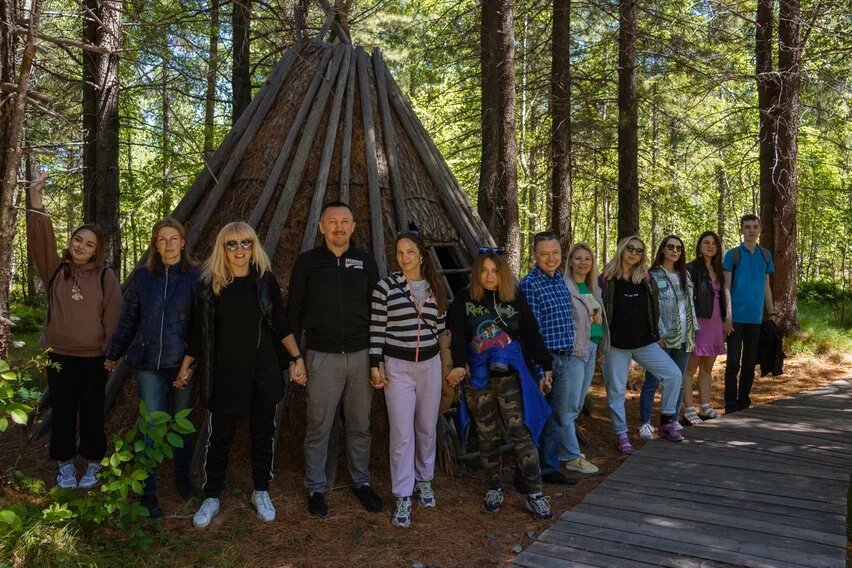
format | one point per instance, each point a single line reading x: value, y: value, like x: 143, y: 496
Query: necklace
x: 76, y: 295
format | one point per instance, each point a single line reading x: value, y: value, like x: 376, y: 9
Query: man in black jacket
x: 329, y: 298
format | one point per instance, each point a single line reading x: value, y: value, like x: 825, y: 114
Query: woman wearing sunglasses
x: 238, y: 331
x: 408, y: 313
x: 631, y: 302
x: 492, y: 330
x: 706, y: 272
x: 678, y: 324
x: 152, y: 333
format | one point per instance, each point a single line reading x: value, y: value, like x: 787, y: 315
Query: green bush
x: 27, y: 318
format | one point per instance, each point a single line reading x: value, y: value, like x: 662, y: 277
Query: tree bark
x: 212, y: 72
x: 560, y: 129
x: 166, y: 200
x: 12, y: 116
x: 498, y: 175
x: 784, y: 175
x: 767, y: 103
x: 241, y: 70
x: 91, y: 59
x: 628, y: 121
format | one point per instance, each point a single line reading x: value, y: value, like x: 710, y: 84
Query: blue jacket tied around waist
x: 536, y: 408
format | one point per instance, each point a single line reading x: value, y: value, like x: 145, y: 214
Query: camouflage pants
x: 501, y: 399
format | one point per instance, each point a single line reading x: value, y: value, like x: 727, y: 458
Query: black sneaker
x: 368, y: 497
x: 317, y: 506
x: 557, y: 478
x: 185, y: 488
x: 151, y: 503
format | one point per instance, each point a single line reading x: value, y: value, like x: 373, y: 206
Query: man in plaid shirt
x: 550, y: 302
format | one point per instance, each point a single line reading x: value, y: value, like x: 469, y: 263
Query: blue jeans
x: 572, y: 377
x: 155, y: 387
x: 652, y: 358
x: 649, y: 386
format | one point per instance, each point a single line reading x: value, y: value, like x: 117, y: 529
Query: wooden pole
x: 297, y: 168
x: 289, y: 142
x: 389, y: 136
x: 246, y: 137
x: 327, y: 152
x: 375, y: 197
x: 338, y: 29
x: 346, y: 155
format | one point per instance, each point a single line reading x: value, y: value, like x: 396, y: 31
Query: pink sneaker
x: 624, y: 445
x: 670, y: 432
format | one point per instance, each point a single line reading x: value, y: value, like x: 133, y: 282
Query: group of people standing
x: 526, y: 352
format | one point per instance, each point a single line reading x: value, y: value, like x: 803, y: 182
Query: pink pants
x: 413, y: 396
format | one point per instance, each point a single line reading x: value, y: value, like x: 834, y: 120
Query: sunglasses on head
x: 678, y: 248
x: 245, y: 244
x: 491, y: 250
x: 634, y: 250
x: 403, y: 234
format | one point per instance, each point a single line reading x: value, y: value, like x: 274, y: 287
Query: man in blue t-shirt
x: 747, y: 269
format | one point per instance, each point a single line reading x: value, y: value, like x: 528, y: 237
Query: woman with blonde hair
x: 493, y: 329
x: 238, y: 331
x: 632, y: 309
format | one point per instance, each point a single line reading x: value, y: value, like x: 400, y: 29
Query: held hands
x: 183, y: 378
x: 728, y: 327
x: 298, y: 372
x: 546, y: 384
x: 378, y: 378
x: 455, y: 376
x: 110, y: 365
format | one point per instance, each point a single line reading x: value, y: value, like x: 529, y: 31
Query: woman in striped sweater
x: 408, y: 313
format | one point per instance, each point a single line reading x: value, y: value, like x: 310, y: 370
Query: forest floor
x: 456, y: 533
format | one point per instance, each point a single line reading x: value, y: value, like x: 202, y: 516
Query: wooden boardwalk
x: 766, y: 487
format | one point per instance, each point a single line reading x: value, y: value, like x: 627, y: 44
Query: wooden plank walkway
x: 766, y: 487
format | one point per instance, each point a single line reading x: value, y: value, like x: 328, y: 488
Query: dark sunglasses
x: 403, y: 234
x: 635, y: 250
x: 491, y: 250
x: 677, y: 248
x: 245, y: 244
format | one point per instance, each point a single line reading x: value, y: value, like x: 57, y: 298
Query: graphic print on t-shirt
x: 488, y: 332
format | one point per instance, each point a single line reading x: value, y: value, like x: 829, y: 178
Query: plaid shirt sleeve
x: 550, y: 303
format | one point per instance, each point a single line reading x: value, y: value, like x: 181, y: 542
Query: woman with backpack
x: 407, y: 315
x: 152, y: 332
x: 631, y: 303
x: 83, y: 307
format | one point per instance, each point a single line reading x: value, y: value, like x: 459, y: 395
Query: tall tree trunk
x: 560, y: 129
x: 91, y: 59
x: 767, y: 103
x: 31, y: 289
x: 498, y: 175
x: 628, y: 121
x: 212, y: 73
x: 166, y: 200
x: 12, y: 115
x: 783, y: 218
x: 241, y: 71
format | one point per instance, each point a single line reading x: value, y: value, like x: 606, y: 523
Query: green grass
x: 822, y: 332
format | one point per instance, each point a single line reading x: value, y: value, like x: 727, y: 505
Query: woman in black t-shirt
x: 632, y: 307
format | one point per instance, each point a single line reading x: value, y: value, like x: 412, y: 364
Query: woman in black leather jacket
x: 709, y: 298
x: 152, y: 334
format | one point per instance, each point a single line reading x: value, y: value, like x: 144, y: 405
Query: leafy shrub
x: 27, y: 318
x: 17, y: 393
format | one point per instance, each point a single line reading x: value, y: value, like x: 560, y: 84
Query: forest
x: 595, y: 118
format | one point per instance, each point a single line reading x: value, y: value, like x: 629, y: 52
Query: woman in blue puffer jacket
x: 155, y: 323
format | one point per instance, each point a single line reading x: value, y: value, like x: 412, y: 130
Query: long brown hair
x: 505, y: 288
x: 612, y: 270
x: 100, y: 253
x: 155, y: 261
x: 679, y: 265
x: 716, y: 261
x: 592, y: 276
x: 428, y: 270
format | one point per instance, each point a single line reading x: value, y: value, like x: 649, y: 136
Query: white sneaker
x: 646, y: 431
x: 205, y: 513
x: 263, y: 505
x: 677, y: 425
x: 67, y: 478
x: 90, y: 478
x: 425, y: 495
x: 402, y: 515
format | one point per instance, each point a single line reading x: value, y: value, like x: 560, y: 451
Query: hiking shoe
x: 493, y: 500
x: 402, y: 515
x: 707, y: 413
x: 677, y: 425
x: 263, y: 505
x: 425, y: 495
x: 369, y: 499
x: 205, y: 513
x: 581, y: 465
x: 317, y: 506
x: 557, y: 478
x: 670, y: 432
x: 539, y: 506
x: 646, y: 431
x: 90, y: 478
x: 151, y: 503
x: 67, y: 478
x: 691, y: 418
x: 185, y: 488
x: 624, y: 445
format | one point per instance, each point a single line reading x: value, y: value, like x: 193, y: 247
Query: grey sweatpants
x: 333, y: 377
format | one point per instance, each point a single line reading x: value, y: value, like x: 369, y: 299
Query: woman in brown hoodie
x: 83, y: 307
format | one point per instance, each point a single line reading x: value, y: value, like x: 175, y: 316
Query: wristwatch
x: 298, y: 356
